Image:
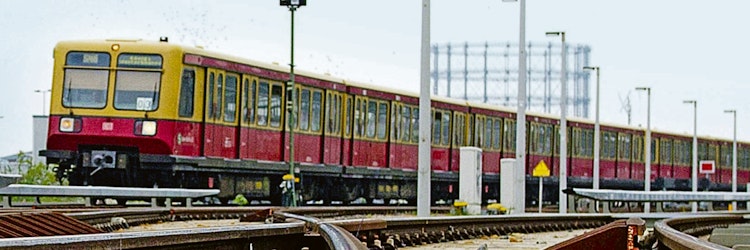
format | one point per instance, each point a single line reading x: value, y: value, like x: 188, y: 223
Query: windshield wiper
x: 153, y: 99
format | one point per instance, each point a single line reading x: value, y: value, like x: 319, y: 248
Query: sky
x: 681, y: 49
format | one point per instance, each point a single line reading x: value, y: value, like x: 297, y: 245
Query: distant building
x: 11, y: 164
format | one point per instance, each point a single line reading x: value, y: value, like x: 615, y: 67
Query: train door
x: 333, y: 118
x: 347, y: 121
x: 247, y: 116
x: 229, y: 121
x: 212, y: 112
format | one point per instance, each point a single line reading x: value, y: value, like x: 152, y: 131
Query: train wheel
x: 121, y: 202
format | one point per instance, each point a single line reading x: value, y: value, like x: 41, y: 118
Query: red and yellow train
x: 142, y: 114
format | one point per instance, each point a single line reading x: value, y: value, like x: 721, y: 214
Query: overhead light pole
x: 597, y: 132
x: 44, y: 99
x: 695, y: 150
x: 563, y: 201
x: 424, y: 199
x: 647, y: 167
x: 521, y: 107
x: 293, y: 5
x: 734, y: 155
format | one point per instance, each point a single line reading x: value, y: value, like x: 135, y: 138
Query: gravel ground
x: 528, y: 241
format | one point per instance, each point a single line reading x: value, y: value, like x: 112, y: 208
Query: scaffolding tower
x: 488, y: 72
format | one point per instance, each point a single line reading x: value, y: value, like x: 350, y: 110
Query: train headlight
x: 70, y: 125
x: 145, y: 128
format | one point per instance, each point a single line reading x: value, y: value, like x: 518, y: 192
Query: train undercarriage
x: 258, y: 181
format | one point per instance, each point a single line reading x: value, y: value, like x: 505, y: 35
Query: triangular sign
x: 541, y: 170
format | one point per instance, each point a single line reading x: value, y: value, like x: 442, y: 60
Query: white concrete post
x: 512, y: 186
x: 470, y: 179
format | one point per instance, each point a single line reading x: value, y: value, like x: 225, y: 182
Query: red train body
x: 134, y: 113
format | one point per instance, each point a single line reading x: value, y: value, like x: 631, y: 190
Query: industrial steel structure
x: 488, y: 72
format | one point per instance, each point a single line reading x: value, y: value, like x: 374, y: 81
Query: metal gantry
x: 489, y: 72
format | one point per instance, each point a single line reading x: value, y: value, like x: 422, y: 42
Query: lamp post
x: 424, y: 151
x: 596, y: 130
x: 521, y: 107
x: 695, y: 150
x: 292, y: 5
x: 44, y: 98
x: 647, y: 167
x: 563, y: 201
x: 734, y: 155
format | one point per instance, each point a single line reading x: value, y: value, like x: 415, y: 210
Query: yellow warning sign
x: 541, y: 170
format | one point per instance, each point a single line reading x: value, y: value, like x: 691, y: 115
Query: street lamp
x: 647, y: 167
x: 292, y: 5
x: 563, y: 125
x: 44, y: 98
x: 734, y: 155
x: 424, y: 154
x: 596, y: 130
x: 695, y: 150
x: 521, y: 107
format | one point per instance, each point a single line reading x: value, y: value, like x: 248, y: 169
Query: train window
x: 726, y: 155
x: 382, y: 120
x: 219, y: 94
x: 137, y: 90
x: 654, y: 151
x: 665, y: 151
x: 405, y: 122
x: 713, y: 152
x: 304, y: 110
x: 579, y: 144
x: 332, y: 113
x: 187, y: 92
x: 624, y: 146
x: 371, y: 119
x: 359, y: 117
x: 469, y: 131
x: 479, y: 130
x: 446, y: 139
x: 263, y: 103
x: 251, y: 103
x: 337, y: 113
x: 230, y: 97
x: 587, y: 142
x: 348, y: 115
x: 487, y: 133
x: 509, y: 135
x: 458, y: 129
x: 415, y: 125
x: 638, y: 152
x: 317, y: 98
x: 244, y: 101
x: 496, y: 128
x: 436, y: 125
x: 702, y: 151
x: 85, y: 88
x: 275, y: 108
x: 210, y: 110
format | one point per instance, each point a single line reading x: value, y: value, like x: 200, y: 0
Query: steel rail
x: 680, y: 233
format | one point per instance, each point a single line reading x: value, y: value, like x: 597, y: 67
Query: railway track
x: 685, y: 232
x: 315, y: 228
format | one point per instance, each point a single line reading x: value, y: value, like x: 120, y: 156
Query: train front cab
x: 115, y: 103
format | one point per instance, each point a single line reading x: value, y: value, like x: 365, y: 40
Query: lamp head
x: 591, y: 68
x: 555, y: 33
x: 730, y: 111
x: 689, y: 101
x: 643, y: 88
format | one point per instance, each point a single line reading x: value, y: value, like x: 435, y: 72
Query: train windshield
x: 137, y: 82
x: 86, y: 79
